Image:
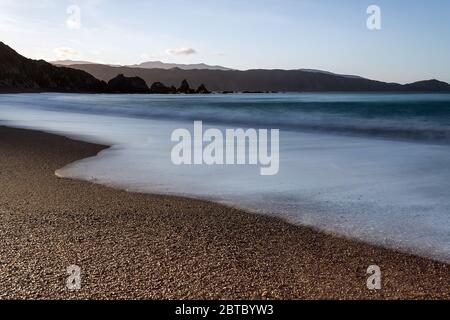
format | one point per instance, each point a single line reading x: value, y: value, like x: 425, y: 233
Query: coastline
x: 144, y: 246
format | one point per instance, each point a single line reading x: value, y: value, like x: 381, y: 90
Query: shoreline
x: 147, y: 246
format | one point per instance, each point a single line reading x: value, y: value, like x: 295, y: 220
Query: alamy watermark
x: 73, y: 282
x: 374, y: 19
x: 228, y: 147
x: 73, y: 21
x: 374, y: 280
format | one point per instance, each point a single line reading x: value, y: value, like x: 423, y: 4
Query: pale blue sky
x: 413, y: 44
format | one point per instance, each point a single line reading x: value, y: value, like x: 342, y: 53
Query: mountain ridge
x: 145, y: 65
x: 20, y: 74
x: 165, y: 65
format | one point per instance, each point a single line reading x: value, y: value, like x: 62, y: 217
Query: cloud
x: 73, y: 21
x: 64, y: 53
x: 181, y: 51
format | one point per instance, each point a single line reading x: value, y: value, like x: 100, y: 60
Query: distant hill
x: 328, y: 72
x: 263, y: 80
x: 68, y: 63
x: 427, y: 85
x: 146, y: 65
x: 162, y: 65
x: 19, y: 74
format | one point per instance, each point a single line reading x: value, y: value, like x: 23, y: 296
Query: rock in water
x: 122, y: 84
x: 202, y: 89
x: 185, y: 88
x: 160, y: 88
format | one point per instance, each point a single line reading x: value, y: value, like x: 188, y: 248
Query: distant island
x: 19, y: 74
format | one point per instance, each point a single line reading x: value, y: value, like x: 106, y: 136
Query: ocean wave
x: 418, y: 117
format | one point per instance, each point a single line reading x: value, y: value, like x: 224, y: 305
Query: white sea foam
x: 385, y: 191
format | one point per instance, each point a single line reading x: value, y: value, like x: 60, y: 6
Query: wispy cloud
x: 181, y: 51
x: 63, y: 53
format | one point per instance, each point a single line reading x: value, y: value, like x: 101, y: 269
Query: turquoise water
x: 374, y: 167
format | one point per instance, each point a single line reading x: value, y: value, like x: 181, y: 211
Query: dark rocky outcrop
x: 122, y: 84
x: 202, y: 89
x: 160, y: 88
x: 185, y: 88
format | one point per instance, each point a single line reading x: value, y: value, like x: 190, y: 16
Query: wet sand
x: 142, y: 246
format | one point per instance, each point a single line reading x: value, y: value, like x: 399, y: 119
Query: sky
x: 411, y: 40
